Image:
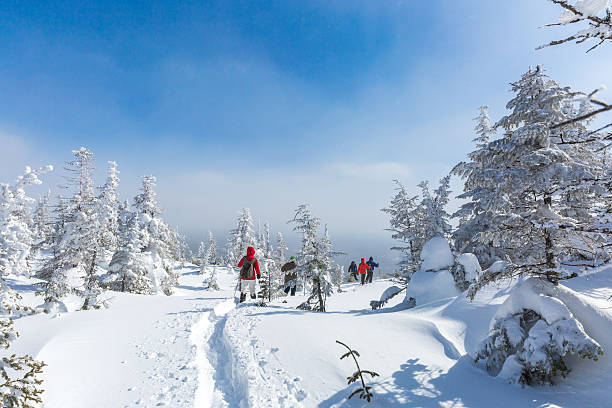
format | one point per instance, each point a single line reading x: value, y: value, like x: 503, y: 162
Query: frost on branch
x: 531, y: 335
x: 593, y: 15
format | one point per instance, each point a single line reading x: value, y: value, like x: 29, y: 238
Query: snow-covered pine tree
x: 435, y: 218
x: 242, y: 236
x: 108, y: 209
x: 312, y: 258
x: 20, y: 384
x: 42, y: 221
x: 213, y: 255
x: 16, y: 234
x: 404, y: 213
x: 160, y: 241
x: 127, y: 271
x: 76, y: 248
x: 205, y: 260
x: 200, y: 254
x: 533, y: 167
x: 267, y: 242
x: 281, y: 248
x: 473, y: 219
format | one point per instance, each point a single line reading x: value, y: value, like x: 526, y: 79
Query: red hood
x: 250, y: 253
x: 363, y: 260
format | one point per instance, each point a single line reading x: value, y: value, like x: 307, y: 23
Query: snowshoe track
x: 256, y: 374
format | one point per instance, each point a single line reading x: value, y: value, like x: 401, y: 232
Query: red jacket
x: 363, y: 267
x: 250, y: 256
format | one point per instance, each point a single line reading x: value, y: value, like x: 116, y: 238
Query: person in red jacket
x: 363, y: 269
x: 248, y: 268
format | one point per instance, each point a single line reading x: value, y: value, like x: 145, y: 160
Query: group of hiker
x: 249, y: 269
x: 365, y: 270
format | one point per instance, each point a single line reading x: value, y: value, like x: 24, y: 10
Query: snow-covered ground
x: 198, y: 349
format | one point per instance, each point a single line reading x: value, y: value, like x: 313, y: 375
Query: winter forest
x: 499, y: 293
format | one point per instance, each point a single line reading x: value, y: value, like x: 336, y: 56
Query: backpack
x: 246, y: 272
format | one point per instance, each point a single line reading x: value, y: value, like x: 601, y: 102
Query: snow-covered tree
x: 16, y: 235
x: 594, y: 15
x: 108, y: 209
x: 76, y: 249
x: 314, y: 258
x: 20, y: 383
x: 127, y: 271
x: 413, y: 222
x: 267, y: 242
x: 404, y: 213
x: 200, y: 254
x: 532, y: 334
x: 213, y: 255
x: 241, y: 237
x: 160, y: 241
x: 473, y: 219
x: 533, y: 167
x: 281, y: 248
x: 435, y: 217
x: 42, y: 221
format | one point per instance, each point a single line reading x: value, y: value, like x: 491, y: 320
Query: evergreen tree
x: 534, y: 166
x: 76, y: 249
x: 213, y: 256
x: 42, y: 221
x: 160, y: 242
x: 404, y: 213
x: 16, y: 234
x: 127, y: 271
x: 20, y: 385
x: 242, y: 237
x: 281, y: 248
x: 473, y: 219
x: 200, y: 254
x: 108, y: 208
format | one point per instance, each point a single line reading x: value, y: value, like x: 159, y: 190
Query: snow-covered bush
x: 436, y: 255
x: 20, y: 385
x: 531, y: 335
x: 466, y: 270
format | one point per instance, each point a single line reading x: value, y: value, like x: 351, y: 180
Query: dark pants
x: 292, y: 288
x: 363, y: 276
x: 369, y: 277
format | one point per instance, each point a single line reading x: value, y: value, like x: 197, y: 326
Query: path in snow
x: 143, y: 351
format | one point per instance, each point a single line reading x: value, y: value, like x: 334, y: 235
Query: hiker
x: 290, y: 277
x: 372, y: 265
x: 353, y: 270
x: 248, y: 267
x: 363, y: 269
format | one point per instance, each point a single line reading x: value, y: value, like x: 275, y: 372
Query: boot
x: 253, y: 296
x: 242, y: 297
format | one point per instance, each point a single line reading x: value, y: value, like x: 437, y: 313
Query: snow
x: 436, y: 255
x: 470, y: 265
x: 197, y: 348
x: 428, y: 287
x: 586, y: 7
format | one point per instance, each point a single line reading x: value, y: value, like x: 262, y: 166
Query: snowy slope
x: 198, y: 349
x: 138, y: 352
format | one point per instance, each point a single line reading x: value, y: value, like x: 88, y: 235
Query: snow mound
x: 436, y: 255
x: 533, y: 332
x: 427, y: 287
x: 471, y: 266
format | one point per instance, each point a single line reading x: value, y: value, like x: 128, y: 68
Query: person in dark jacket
x: 290, y: 276
x: 353, y: 270
x: 372, y: 265
x: 249, y: 267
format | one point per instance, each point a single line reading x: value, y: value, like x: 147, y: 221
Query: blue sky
x: 269, y: 104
